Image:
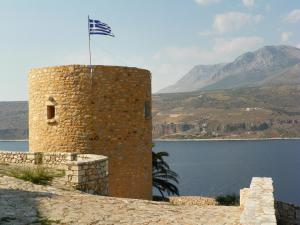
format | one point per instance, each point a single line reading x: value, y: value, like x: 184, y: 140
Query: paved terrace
x: 25, y: 203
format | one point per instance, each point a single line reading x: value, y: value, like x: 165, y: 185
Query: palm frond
x: 162, y: 175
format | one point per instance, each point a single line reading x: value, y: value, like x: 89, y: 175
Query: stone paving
x: 25, y: 203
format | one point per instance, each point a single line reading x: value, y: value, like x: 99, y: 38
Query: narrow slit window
x: 147, y: 110
x: 50, y: 112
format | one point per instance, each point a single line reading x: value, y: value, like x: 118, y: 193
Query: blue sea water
x: 211, y: 168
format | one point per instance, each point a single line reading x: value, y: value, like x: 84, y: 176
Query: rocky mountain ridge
x: 268, y: 65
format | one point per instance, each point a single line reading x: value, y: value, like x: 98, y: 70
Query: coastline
x: 204, y: 139
x: 230, y: 139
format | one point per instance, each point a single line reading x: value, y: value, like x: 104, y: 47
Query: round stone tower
x: 106, y: 113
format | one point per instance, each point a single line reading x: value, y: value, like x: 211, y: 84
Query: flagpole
x: 90, y: 54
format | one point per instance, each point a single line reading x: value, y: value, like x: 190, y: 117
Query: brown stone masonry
x: 107, y: 113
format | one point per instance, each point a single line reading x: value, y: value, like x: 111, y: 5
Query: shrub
x: 231, y: 199
x: 36, y: 175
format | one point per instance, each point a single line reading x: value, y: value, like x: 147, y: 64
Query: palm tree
x: 163, y: 178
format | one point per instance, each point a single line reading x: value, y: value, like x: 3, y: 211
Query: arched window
x: 51, y: 113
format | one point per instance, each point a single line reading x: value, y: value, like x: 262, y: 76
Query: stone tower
x: 108, y: 114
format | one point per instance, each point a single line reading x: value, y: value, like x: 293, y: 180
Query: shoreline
x: 204, y: 139
x: 229, y: 139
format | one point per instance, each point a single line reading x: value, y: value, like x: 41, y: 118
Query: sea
x: 212, y: 168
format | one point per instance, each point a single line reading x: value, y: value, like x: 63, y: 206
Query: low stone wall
x: 85, y: 172
x: 89, y: 173
x: 287, y: 214
x: 58, y: 159
x: 19, y: 157
x: 257, y: 202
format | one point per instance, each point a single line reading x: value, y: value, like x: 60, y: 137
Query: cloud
x: 237, y: 45
x: 206, y: 2
x: 293, y: 16
x: 166, y: 74
x: 222, y: 48
x: 249, y: 3
x: 298, y: 45
x: 285, y: 36
x: 233, y: 21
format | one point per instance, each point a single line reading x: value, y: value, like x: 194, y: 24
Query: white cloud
x: 249, y: 3
x: 233, y: 21
x: 285, y: 36
x: 293, y: 16
x: 237, y: 45
x: 222, y: 48
x: 298, y: 45
x: 166, y: 74
x: 206, y: 2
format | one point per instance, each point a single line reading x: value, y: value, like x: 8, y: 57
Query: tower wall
x: 107, y: 113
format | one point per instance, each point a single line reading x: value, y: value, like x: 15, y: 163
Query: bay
x: 211, y: 168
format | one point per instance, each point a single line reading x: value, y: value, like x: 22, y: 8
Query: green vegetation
x: 163, y: 178
x: 231, y: 199
x: 36, y: 175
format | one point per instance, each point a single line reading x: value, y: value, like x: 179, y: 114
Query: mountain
x: 267, y: 65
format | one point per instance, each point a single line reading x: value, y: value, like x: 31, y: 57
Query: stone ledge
x: 257, y: 202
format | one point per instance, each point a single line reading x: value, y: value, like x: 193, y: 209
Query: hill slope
x: 255, y: 112
x: 13, y: 120
x: 270, y: 64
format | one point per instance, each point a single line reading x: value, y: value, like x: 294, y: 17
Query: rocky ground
x: 26, y: 203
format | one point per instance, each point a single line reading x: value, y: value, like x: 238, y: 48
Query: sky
x: 167, y: 37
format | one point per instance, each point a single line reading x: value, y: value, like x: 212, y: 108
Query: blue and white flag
x: 98, y: 27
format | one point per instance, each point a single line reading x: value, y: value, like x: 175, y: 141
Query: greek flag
x: 98, y: 27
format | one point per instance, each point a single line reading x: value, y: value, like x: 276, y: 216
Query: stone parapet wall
x: 84, y: 172
x: 58, y: 159
x: 19, y: 157
x: 89, y: 174
x: 287, y: 214
x: 257, y: 203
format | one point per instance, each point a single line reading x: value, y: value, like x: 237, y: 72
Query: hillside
x: 13, y: 120
x: 268, y: 65
x: 256, y: 112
